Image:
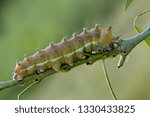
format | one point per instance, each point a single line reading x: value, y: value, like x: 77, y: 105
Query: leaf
x: 139, y: 30
x: 147, y: 40
x: 128, y: 2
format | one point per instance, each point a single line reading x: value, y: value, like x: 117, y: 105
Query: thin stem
x: 24, y: 90
x: 107, y: 80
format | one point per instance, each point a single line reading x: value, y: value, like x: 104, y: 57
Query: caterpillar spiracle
x: 95, y: 40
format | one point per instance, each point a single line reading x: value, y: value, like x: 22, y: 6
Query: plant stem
x: 24, y: 90
x: 129, y: 44
x: 107, y: 80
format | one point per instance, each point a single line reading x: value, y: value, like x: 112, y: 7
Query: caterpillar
x: 95, y: 40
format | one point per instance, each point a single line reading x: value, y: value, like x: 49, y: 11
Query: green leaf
x: 128, y: 2
x: 147, y: 40
x: 139, y: 30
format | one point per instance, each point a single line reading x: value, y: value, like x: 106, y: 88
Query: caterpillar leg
x: 65, y: 68
x: 87, y: 55
x: 88, y: 63
x: 21, y: 83
x: 90, y: 60
x: 38, y: 80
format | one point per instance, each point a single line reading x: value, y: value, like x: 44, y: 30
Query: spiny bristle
x: 17, y: 62
x: 38, y: 50
x: 110, y: 27
x: 64, y: 39
x: 84, y: 30
x: 96, y: 25
x: 51, y: 44
x: 74, y: 35
x: 25, y: 55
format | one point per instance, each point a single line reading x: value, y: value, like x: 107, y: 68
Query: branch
x: 128, y: 45
x: 124, y: 49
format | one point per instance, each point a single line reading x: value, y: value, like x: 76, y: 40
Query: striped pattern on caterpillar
x: 95, y: 40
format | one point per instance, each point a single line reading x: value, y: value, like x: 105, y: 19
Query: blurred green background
x: 29, y: 24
